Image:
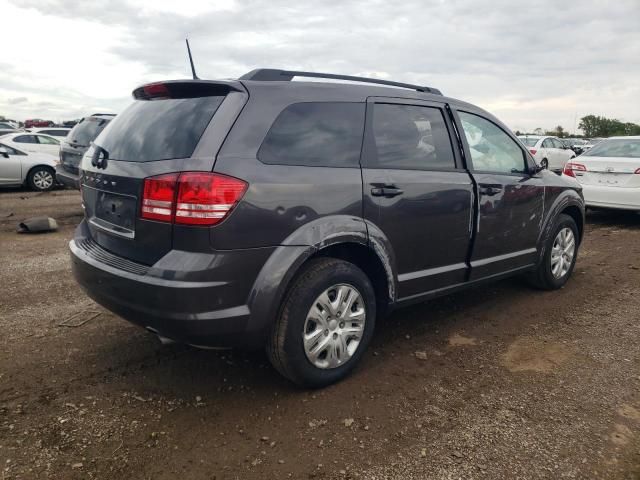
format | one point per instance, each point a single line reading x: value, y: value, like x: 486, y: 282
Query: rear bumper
x: 67, y: 179
x: 611, y: 197
x: 177, y: 297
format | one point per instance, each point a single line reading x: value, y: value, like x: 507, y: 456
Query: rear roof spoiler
x: 272, y: 75
x: 185, y: 89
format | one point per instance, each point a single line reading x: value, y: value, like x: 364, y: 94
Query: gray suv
x: 75, y: 145
x: 265, y: 212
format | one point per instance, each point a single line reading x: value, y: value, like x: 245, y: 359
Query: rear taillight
x: 637, y: 172
x: 206, y: 198
x: 158, y: 197
x: 533, y: 151
x: 191, y: 198
x: 570, y: 167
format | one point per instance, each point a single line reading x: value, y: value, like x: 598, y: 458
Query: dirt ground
x: 500, y: 382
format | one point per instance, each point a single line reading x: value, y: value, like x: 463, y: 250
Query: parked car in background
x: 19, y: 167
x: 270, y: 213
x: 58, y: 132
x: 6, y: 128
x: 37, y: 122
x: 550, y: 152
x: 75, y: 144
x: 33, y: 142
x: 609, y: 173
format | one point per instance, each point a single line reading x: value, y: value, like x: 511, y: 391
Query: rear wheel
x: 558, y: 255
x: 41, y: 178
x: 325, y: 324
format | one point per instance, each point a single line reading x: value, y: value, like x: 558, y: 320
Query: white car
x: 548, y: 151
x: 18, y: 167
x: 609, y: 173
x: 57, y: 132
x: 32, y: 142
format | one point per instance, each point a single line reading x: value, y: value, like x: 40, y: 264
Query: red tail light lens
x: 570, y: 167
x: 533, y: 151
x: 191, y: 198
x: 158, y: 197
x: 637, y: 171
x: 206, y: 198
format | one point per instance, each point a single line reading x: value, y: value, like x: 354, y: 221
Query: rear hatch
x: 171, y: 127
x: 77, y: 142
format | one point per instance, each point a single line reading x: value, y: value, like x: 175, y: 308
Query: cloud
x: 17, y: 100
x: 532, y: 65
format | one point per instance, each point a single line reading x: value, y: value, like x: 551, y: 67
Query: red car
x: 37, y: 122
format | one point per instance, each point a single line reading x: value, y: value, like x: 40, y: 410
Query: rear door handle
x: 388, y: 191
x: 490, y: 189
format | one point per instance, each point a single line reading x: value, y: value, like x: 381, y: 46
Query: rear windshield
x: 158, y: 129
x: 615, y: 148
x: 88, y: 129
x: 529, y: 142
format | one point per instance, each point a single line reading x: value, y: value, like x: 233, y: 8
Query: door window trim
x: 467, y: 151
x: 369, y: 146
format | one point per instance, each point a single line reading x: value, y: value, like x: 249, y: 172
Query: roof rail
x: 271, y: 75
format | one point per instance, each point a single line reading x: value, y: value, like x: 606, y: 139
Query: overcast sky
x: 536, y: 65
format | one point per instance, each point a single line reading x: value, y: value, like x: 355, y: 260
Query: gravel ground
x: 496, y: 382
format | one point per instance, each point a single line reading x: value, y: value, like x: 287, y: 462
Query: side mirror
x: 4, y: 152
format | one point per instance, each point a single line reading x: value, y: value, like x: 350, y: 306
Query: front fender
x: 276, y: 275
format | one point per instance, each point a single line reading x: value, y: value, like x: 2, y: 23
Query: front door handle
x: 386, y: 190
x: 490, y: 189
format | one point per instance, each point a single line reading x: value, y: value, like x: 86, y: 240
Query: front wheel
x: 558, y: 255
x: 325, y: 324
x: 41, y: 179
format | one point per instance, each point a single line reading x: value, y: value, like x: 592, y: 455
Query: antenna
x: 193, y: 69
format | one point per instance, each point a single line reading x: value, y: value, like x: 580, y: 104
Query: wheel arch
x: 33, y: 167
x: 322, y: 239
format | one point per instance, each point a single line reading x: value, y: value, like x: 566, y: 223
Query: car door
x: 564, y: 152
x: 417, y: 193
x: 28, y: 143
x: 510, y: 198
x: 11, y: 166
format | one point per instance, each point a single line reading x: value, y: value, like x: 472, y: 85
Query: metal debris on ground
x: 37, y: 225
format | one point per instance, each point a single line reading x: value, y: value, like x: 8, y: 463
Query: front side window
x: 492, y: 150
x: 411, y: 137
x: 315, y: 134
x: 547, y: 143
x: 10, y: 151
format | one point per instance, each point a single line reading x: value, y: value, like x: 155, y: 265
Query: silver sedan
x: 17, y: 167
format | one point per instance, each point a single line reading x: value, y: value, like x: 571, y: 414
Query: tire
x: 41, y: 178
x: 547, y: 276
x: 544, y: 163
x: 286, y: 346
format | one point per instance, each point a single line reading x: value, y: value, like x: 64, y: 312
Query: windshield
x: 87, y: 130
x: 615, y: 148
x: 158, y: 129
x: 529, y: 141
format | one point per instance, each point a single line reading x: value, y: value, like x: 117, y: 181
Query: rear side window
x: 321, y: 134
x: 25, y: 139
x: 87, y: 130
x: 411, y: 137
x: 151, y: 130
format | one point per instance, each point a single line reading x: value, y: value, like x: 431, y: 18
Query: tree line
x: 594, y: 126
